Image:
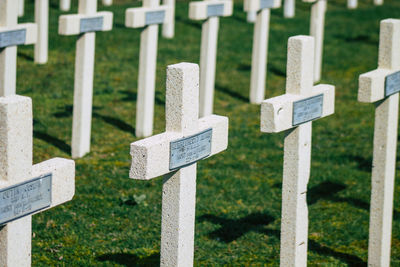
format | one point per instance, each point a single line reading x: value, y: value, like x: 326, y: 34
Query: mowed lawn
x: 115, y: 221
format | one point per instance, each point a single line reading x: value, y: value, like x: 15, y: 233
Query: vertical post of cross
x: 378, y: 2
x: 168, y: 29
x: 42, y: 20
x: 352, y: 4
x: 294, y: 112
x: 381, y: 87
x: 65, y: 5
x: 317, y: 25
x: 21, y: 7
x: 289, y: 7
x: 8, y: 55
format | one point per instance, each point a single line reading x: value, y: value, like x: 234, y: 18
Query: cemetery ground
x: 115, y: 221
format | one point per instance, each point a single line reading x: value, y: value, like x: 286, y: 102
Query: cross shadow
x: 244, y: 67
x: 25, y: 56
x: 67, y: 111
x: 231, y: 93
x: 131, y: 260
x: 232, y: 229
x: 60, y: 144
x: 276, y: 71
x: 132, y: 97
x: 123, y: 126
x: 362, y: 38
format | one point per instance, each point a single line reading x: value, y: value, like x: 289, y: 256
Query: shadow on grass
x: 60, y: 144
x: 189, y: 22
x: 231, y: 93
x: 132, y: 97
x: 67, y: 111
x: 276, y: 71
x: 365, y: 39
x: 232, y: 229
x: 123, y: 126
x: 131, y: 260
x: 25, y: 56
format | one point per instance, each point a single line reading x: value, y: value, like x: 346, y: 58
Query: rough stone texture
x: 16, y: 167
x: 352, y: 4
x: 65, y: 5
x: 371, y: 89
x: 70, y: 24
x: 260, y: 49
x: 276, y: 116
x: 8, y: 55
x: 317, y: 25
x: 42, y: 20
x: 84, y: 66
x: 150, y: 158
x: 135, y: 17
x: 208, y: 52
x: 289, y: 8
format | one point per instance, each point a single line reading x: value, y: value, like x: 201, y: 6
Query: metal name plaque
x: 392, y: 83
x: 155, y: 17
x: 11, y: 38
x: 266, y: 4
x: 26, y: 198
x: 190, y: 149
x: 91, y: 24
x: 215, y: 10
x: 307, y: 109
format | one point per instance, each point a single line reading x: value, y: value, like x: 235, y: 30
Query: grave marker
x: 289, y: 8
x: 294, y: 112
x: 251, y: 16
x: 381, y: 86
x: 11, y: 35
x: 49, y: 183
x: 317, y: 24
x: 260, y: 46
x: 84, y: 24
x: 21, y: 7
x: 65, y: 5
x: 42, y: 21
x: 173, y: 154
x: 168, y: 29
x: 210, y: 11
x: 148, y: 16
x: 352, y: 4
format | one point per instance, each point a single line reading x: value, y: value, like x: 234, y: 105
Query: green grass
x: 238, y: 191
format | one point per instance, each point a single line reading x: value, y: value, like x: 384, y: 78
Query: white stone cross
x: 294, y: 111
x: 42, y: 21
x: 12, y: 34
x: 289, y: 7
x: 260, y: 45
x: 168, y: 29
x: 381, y: 86
x: 352, y: 4
x: 148, y: 16
x: 173, y: 154
x: 21, y: 7
x: 65, y: 5
x: 85, y: 24
x: 25, y: 189
x: 317, y: 25
x: 210, y: 11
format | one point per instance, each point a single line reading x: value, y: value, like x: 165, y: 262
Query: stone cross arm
x: 385, y: 80
x: 150, y: 156
x: 63, y: 178
x: 256, y: 5
x: 79, y: 23
x: 201, y: 10
x: 139, y: 17
x: 277, y: 113
x: 20, y: 34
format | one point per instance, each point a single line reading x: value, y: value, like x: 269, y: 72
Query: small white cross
x: 22, y: 196
x: 42, y: 21
x: 84, y: 24
x: 210, y: 11
x: 295, y: 111
x: 174, y: 154
x: 148, y: 16
x: 260, y: 45
x: 382, y: 86
x: 12, y: 34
